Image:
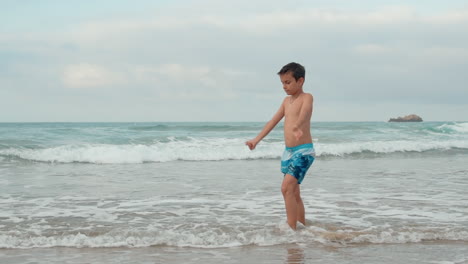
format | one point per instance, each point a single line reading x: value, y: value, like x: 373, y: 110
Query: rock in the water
x: 408, y: 118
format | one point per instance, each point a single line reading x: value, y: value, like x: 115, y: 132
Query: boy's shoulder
x: 308, y: 99
x: 307, y: 96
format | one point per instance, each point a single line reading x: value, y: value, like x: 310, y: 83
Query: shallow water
x: 232, y: 203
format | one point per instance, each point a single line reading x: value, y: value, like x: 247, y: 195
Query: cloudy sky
x: 212, y: 60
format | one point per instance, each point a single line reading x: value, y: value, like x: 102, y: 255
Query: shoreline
x: 424, y: 252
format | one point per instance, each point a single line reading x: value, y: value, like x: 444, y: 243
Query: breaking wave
x: 225, y: 236
x: 206, y: 149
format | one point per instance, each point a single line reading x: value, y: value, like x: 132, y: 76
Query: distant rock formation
x: 408, y: 118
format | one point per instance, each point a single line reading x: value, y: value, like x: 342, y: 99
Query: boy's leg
x: 288, y: 188
x: 300, y: 205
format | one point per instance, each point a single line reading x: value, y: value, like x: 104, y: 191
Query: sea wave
x: 215, y: 150
x: 225, y: 237
x: 197, y: 127
x: 453, y: 128
x: 389, y: 147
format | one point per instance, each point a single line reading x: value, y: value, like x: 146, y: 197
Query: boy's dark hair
x: 297, y: 70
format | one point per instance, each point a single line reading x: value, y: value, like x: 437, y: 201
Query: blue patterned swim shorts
x: 297, y: 160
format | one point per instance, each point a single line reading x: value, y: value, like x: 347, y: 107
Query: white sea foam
x: 207, y: 224
x: 385, y: 147
x: 457, y: 127
x: 201, y: 222
x: 203, y: 236
x: 213, y: 150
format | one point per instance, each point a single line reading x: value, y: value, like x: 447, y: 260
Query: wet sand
x: 439, y: 252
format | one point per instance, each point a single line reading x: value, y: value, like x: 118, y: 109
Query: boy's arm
x: 304, y: 115
x: 267, y: 128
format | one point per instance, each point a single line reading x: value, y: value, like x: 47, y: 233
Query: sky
x: 212, y: 60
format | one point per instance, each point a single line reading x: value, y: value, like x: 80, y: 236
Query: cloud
x: 86, y: 75
x: 177, y: 72
x: 266, y: 22
x: 180, y: 77
x: 186, y: 82
x: 274, y: 22
x: 208, y: 76
x: 453, y: 17
x: 372, y: 49
x: 418, y: 54
x: 207, y: 56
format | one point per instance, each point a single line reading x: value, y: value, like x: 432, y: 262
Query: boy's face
x: 290, y: 85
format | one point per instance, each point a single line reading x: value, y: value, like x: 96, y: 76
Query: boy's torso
x: 292, y: 109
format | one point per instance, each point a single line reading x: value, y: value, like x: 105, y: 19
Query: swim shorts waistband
x: 308, y: 145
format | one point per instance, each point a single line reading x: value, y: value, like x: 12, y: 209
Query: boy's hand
x: 251, y: 144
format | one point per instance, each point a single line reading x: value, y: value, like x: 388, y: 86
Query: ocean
x: 194, y: 193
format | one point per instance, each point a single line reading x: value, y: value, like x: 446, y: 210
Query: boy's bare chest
x: 292, y: 108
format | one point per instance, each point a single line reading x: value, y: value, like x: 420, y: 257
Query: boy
x: 299, y: 153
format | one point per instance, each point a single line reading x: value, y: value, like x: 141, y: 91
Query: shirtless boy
x: 299, y: 153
